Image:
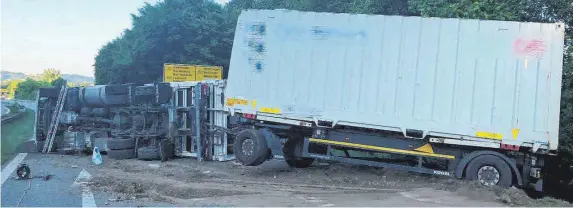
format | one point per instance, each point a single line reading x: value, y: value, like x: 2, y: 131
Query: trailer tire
x: 121, y: 154
x: 148, y: 153
x: 250, y: 147
x: 120, y: 144
x: 490, y: 170
x: 292, y: 146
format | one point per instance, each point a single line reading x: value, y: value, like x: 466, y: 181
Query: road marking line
x: 11, y: 167
x: 87, y: 196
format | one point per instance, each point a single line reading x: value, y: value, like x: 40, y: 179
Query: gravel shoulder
x: 187, y: 182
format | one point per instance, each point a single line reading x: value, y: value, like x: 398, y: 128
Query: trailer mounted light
x: 249, y: 115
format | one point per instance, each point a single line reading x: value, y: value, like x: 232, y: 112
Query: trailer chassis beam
x: 329, y: 156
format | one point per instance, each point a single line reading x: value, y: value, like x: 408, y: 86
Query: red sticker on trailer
x: 529, y: 47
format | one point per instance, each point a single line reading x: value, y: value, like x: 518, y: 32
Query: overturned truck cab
x: 148, y: 122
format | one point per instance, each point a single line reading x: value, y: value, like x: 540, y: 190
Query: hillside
x: 73, y: 78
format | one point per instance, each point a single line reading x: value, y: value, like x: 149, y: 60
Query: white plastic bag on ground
x: 96, y: 156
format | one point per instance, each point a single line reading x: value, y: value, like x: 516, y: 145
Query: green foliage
x: 50, y: 75
x: 173, y: 31
x: 514, y: 10
x: 12, y: 88
x: 58, y: 82
x: 26, y: 90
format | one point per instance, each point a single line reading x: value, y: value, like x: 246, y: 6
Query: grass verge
x: 15, y: 133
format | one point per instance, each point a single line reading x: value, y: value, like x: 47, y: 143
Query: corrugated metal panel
x: 444, y: 76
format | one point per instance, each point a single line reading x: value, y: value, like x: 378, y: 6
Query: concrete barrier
x: 14, y: 116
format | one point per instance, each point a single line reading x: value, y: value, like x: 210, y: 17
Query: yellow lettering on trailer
x: 236, y: 101
x: 489, y: 135
x: 270, y: 110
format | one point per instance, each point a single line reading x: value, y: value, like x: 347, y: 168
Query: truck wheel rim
x: 247, y: 147
x: 488, y: 175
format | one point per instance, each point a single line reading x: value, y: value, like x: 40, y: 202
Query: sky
x: 61, y: 34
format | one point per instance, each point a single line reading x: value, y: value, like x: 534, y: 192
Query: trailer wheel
x: 119, y: 144
x: 148, y: 153
x: 292, y: 146
x: 121, y: 154
x: 490, y: 170
x: 250, y: 147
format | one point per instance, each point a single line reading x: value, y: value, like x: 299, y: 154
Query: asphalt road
x: 65, y: 188
x: 56, y: 192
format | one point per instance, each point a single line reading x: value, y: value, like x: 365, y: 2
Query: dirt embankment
x: 186, y: 182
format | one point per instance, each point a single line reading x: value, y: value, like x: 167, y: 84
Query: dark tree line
x: 201, y: 32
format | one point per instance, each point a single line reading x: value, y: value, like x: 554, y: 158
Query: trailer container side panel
x: 497, y: 80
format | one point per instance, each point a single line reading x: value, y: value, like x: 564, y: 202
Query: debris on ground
x: 183, y: 182
x: 153, y: 166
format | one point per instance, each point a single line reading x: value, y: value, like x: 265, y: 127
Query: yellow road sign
x: 209, y: 72
x: 178, y: 73
x: 187, y: 73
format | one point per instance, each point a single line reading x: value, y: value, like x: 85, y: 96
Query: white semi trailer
x: 464, y: 98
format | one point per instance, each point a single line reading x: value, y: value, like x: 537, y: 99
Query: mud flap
x: 273, y: 142
x: 538, y: 186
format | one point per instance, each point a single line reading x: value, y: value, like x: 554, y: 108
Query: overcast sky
x: 61, y: 34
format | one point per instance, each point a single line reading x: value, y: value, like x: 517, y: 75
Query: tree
x: 50, y: 75
x: 26, y: 90
x: 58, y: 82
x: 173, y: 31
x: 12, y: 88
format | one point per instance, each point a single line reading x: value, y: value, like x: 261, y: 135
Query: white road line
x: 11, y: 167
x: 87, y: 196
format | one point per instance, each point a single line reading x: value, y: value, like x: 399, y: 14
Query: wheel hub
x: 488, y: 175
x: 248, y: 147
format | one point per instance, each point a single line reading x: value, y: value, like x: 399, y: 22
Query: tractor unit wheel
x: 250, y: 147
x: 121, y: 154
x: 119, y: 144
x: 148, y: 153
